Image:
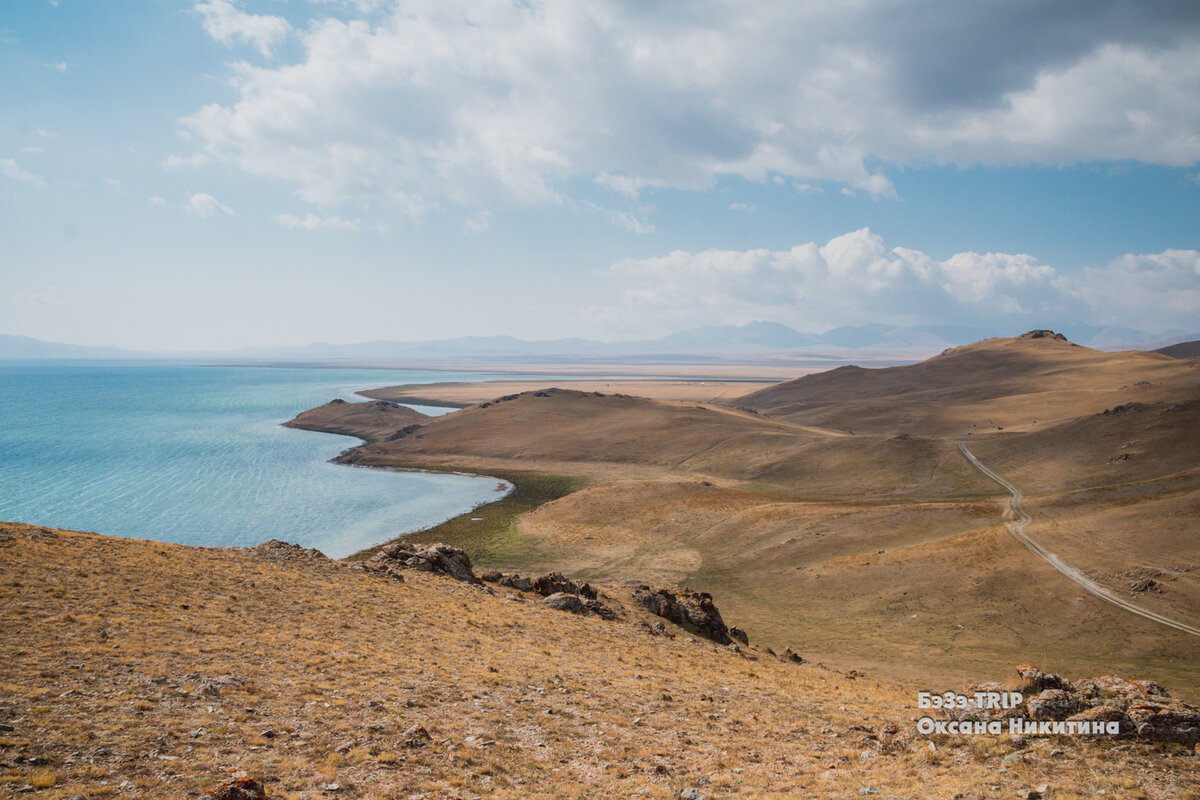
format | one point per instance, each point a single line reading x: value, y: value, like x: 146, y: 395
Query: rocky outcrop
x: 274, y: 548
x: 555, y: 582
x: 1140, y: 708
x: 692, y: 611
x: 440, y: 559
x: 1037, y: 681
x: 546, y: 585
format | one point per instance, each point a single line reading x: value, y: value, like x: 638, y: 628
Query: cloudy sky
x: 243, y: 172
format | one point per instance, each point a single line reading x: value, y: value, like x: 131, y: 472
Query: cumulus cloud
x: 205, y: 205
x: 856, y: 278
x: 224, y: 21
x: 495, y: 103
x: 11, y: 169
x: 311, y: 222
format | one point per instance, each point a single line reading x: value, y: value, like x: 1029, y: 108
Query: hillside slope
x: 145, y: 670
x: 621, y: 437
x: 1020, y: 383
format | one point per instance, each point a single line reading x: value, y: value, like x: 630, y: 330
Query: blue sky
x: 221, y: 173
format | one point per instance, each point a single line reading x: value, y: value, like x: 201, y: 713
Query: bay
x: 196, y: 454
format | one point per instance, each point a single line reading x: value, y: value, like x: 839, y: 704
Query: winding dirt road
x: 1017, y: 529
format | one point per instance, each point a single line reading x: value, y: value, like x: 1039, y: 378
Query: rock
x: 739, y: 634
x: 555, y: 582
x: 440, y: 559
x: 275, y: 548
x: 868, y: 790
x: 1038, y: 681
x: 517, y: 582
x: 693, y: 611
x: 691, y: 794
x: 1107, y: 714
x: 1173, y: 722
x: 1054, y: 704
x: 1011, y: 760
x: 417, y: 736
x: 792, y: 655
x: 491, y: 576
x: 576, y: 604
x: 563, y: 601
x: 241, y: 788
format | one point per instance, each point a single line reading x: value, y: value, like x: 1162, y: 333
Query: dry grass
x: 318, y: 670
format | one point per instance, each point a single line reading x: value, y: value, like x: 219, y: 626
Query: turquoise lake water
x: 196, y: 455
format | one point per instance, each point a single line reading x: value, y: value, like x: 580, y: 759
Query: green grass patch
x: 489, y: 533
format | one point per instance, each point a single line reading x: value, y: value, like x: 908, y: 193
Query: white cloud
x: 11, y: 169
x: 113, y: 185
x: 311, y: 222
x: 32, y: 149
x: 749, y: 208
x: 61, y: 66
x: 478, y: 223
x: 155, y: 200
x: 856, y: 278
x: 496, y: 103
x: 224, y: 21
x: 205, y: 205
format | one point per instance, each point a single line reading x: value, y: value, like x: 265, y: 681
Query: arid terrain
x: 832, y: 518
x: 836, y: 510
x: 139, y: 669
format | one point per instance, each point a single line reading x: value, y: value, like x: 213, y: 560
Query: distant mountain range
x: 761, y: 339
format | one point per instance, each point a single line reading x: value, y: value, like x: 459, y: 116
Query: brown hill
x: 1019, y: 383
x: 1181, y: 350
x: 371, y: 421
x: 623, y: 437
x: 146, y: 670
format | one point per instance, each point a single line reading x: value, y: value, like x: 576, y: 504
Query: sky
x: 226, y: 173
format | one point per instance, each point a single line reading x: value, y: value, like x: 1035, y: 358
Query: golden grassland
x: 139, y: 669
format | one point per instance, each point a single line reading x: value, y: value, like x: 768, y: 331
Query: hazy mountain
x: 754, y: 338
x: 24, y: 347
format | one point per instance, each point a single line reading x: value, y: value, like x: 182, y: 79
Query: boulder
x: 1173, y: 722
x: 1037, y: 681
x: 693, y: 611
x: 274, y: 548
x: 578, y: 604
x: 440, y: 559
x: 555, y: 582
x: 1107, y: 714
x: 563, y: 601
x: 1054, y: 704
x: 240, y: 788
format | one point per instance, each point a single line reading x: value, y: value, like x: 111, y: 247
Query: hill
x: 858, y: 543
x: 1020, y: 383
x: 1181, y: 350
x: 368, y: 421
x: 616, y: 436
x: 146, y: 670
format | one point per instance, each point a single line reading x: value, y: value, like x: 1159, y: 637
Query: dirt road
x: 1017, y: 529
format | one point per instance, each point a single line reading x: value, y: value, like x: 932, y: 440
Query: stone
x: 1174, y: 722
x: 1107, y: 714
x: 1011, y: 760
x: 562, y: 601
x: 1038, y: 681
x: 440, y: 559
x: 556, y: 582
x: 692, y: 611
x: 1054, y: 704
x: 240, y: 788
